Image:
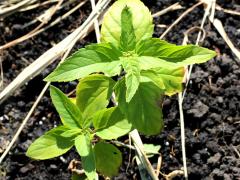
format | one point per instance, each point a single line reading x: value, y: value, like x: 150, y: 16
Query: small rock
x: 214, y: 159
x: 53, y: 166
x: 167, y: 143
x: 227, y: 177
x: 236, y: 170
x: 199, y: 110
x: 213, y: 146
x: 3, y: 144
x: 197, y: 158
x: 220, y: 99
x: 63, y: 159
x: 26, y: 168
x: 217, y: 173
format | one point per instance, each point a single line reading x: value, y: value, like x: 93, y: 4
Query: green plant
x: 147, y: 69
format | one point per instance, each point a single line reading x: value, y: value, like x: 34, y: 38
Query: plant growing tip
x: 152, y: 68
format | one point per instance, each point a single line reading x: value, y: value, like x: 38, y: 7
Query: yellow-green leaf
x: 93, y: 58
x: 51, y: 144
x: 68, y: 111
x: 110, y: 123
x: 179, y: 55
x: 142, y: 21
x: 85, y: 150
x: 168, y: 80
x: 93, y: 94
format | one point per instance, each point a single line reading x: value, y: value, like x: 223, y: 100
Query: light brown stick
x: 173, y: 7
x: 179, y: 19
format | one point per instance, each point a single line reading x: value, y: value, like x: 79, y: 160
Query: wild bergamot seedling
x: 147, y: 69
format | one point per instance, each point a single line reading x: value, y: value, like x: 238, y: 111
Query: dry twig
x: 179, y: 19
x: 141, y: 155
x: 173, y: 7
x: 236, y: 151
x: 227, y: 10
x: 159, y: 164
x: 219, y: 26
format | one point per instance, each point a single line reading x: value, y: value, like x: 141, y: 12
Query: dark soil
x: 211, y: 106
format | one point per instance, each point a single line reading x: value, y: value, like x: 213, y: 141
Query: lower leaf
x: 84, y: 148
x: 108, y: 159
x: 51, y: 144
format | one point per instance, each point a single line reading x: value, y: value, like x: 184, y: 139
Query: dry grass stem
x: 173, y: 7
x: 1, y: 73
x: 173, y: 174
x: 179, y: 19
x: 96, y: 23
x: 159, y: 164
x: 219, y: 26
x: 219, y: 8
x: 38, y: 5
x: 236, y: 151
x: 188, y: 72
x: 181, y: 95
x: 141, y: 154
x: 61, y: 7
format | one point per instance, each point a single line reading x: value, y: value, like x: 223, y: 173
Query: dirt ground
x: 211, y: 106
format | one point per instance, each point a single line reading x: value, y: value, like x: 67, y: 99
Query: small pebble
x: 63, y: 159
x: 53, y: 166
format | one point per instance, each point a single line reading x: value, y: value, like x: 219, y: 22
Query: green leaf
x: 181, y: 55
x: 71, y: 132
x: 151, y: 149
x: 169, y: 80
x: 110, y: 123
x: 144, y: 110
x: 132, y: 68
x: 93, y: 94
x: 94, y: 58
x: 85, y: 150
x: 147, y: 62
x: 69, y: 112
x: 75, y: 176
x: 108, y: 159
x: 142, y: 21
x: 127, y: 38
x: 50, y: 145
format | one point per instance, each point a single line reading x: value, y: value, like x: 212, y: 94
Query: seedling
x: 146, y: 68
